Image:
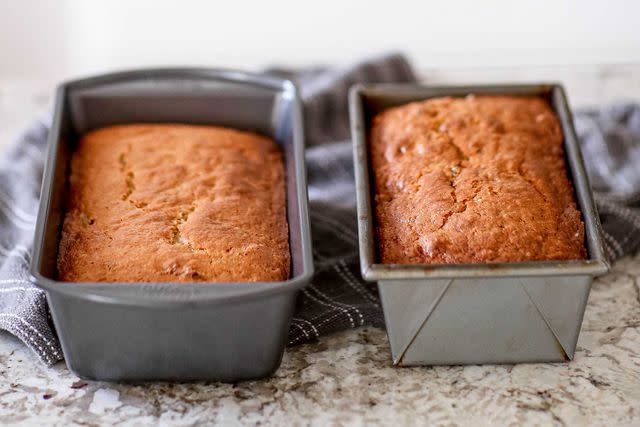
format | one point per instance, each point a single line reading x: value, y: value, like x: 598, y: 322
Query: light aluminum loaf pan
x: 476, y: 313
x: 173, y: 331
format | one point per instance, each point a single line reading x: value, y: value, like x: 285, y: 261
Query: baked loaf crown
x: 475, y: 179
x: 164, y: 202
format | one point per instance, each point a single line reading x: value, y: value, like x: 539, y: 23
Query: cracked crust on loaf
x: 475, y: 179
x: 156, y: 202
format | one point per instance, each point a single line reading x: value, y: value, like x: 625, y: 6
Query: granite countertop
x: 347, y: 378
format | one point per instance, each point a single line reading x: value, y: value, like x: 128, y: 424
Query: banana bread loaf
x: 165, y: 202
x: 475, y: 179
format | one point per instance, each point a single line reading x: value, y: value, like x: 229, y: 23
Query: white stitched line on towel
x: 318, y: 316
x: 340, y: 312
x: 33, y: 329
x: 613, y: 242
x: 338, y: 303
x: 293, y: 341
x: 304, y: 331
x: 335, y: 307
x: 302, y: 328
x: 297, y: 322
x: 628, y: 237
x: 611, y: 253
x: 345, y: 273
x: 357, y: 282
x: 49, y: 344
x: 313, y: 327
x: 625, y: 213
x: 8, y: 326
x: 348, y: 281
x: 347, y: 276
x: 329, y: 319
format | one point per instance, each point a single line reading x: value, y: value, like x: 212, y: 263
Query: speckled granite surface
x: 347, y: 379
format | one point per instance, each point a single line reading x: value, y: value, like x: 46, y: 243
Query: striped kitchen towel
x: 337, y: 297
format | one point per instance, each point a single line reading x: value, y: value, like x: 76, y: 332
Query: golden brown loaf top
x: 164, y: 202
x: 475, y: 179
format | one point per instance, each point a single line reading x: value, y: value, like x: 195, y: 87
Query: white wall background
x: 46, y: 39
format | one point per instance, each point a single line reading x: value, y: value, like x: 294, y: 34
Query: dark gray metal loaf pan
x: 477, y: 313
x: 173, y: 331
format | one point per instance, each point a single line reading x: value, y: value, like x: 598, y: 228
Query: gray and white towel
x: 337, y: 298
